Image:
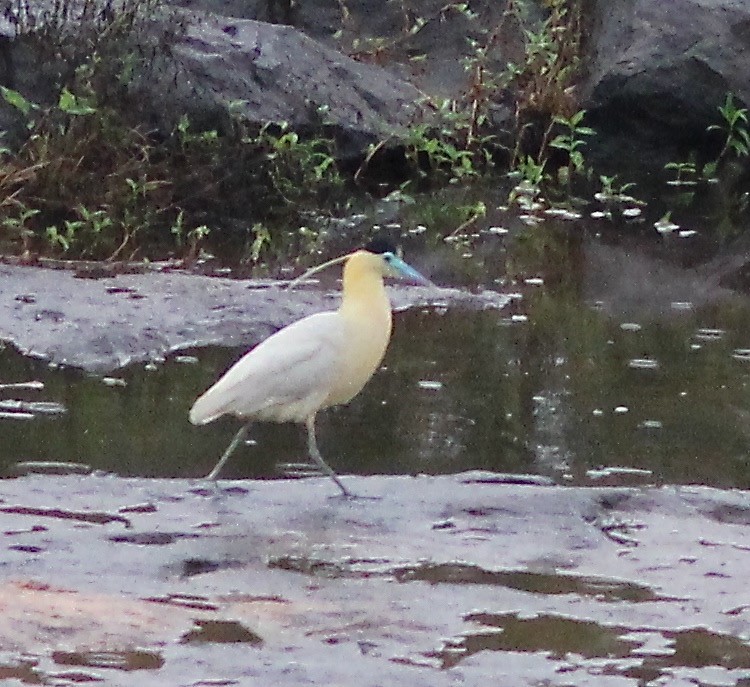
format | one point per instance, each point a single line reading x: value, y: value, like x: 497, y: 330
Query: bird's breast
x: 366, y: 335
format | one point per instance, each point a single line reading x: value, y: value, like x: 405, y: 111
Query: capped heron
x: 319, y: 361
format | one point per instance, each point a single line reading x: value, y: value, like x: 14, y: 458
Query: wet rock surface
x: 422, y: 581
x: 102, y: 324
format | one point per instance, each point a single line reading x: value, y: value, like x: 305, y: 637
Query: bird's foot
x: 312, y: 469
x: 350, y: 496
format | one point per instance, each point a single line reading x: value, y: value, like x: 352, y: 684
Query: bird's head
x: 377, y: 256
x: 383, y: 256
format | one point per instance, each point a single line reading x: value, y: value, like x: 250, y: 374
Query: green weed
x: 736, y: 137
x: 571, y: 141
x: 297, y: 166
x: 716, y: 181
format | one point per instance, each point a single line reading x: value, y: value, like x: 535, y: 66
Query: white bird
x: 319, y: 361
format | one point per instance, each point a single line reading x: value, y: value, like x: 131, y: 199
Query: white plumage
x: 283, y: 379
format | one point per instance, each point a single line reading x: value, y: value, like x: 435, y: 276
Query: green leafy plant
x: 471, y: 214
x: 297, y: 166
x: 86, y: 183
x: 614, y: 192
x: 261, y: 241
x: 14, y: 98
x: 431, y: 154
x: 617, y: 197
x: 71, y: 177
x: 191, y: 239
x: 718, y: 181
x: 571, y: 141
x: 684, y: 182
x: 737, y: 136
x: 18, y: 223
x: 435, y: 152
x: 685, y: 173
x: 187, y: 136
x: 552, y: 57
x: 71, y: 104
x: 529, y: 171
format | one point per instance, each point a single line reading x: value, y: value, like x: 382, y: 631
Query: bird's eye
x: 388, y: 257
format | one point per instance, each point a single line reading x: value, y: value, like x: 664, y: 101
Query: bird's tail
x: 207, y: 408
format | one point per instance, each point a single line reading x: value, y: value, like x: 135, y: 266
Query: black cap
x: 379, y: 246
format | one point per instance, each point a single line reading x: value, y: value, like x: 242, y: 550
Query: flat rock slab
x: 102, y: 324
x: 424, y: 581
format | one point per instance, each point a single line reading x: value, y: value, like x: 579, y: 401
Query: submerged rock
x: 102, y: 324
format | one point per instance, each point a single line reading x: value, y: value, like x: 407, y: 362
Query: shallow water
x: 576, y: 382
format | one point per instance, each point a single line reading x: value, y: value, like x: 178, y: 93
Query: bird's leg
x: 230, y: 449
x: 312, y: 447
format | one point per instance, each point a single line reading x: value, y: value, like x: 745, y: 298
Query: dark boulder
x: 657, y: 72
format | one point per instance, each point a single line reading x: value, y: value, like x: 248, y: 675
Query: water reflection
x: 649, y: 656
x: 564, y: 385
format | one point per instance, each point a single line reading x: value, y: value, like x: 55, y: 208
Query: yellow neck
x: 366, y: 317
x: 363, y: 288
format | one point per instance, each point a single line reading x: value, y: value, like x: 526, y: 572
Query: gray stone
x: 105, y: 323
x: 282, y: 583
x: 657, y: 72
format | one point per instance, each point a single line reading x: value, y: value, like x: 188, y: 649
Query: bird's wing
x: 286, y: 377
